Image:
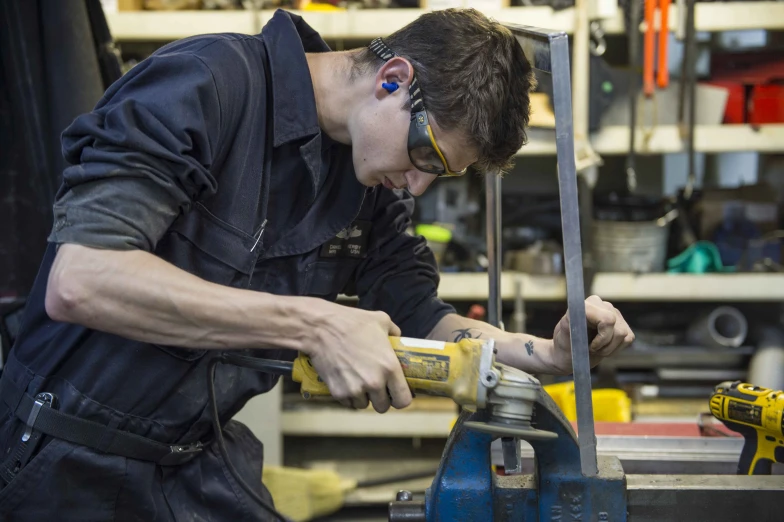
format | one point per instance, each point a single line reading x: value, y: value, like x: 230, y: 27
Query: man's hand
x: 352, y: 354
x: 612, y: 334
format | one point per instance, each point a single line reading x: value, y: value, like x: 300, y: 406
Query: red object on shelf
x: 751, y: 68
x: 735, y: 111
x: 476, y: 312
x: 756, y: 94
x: 766, y: 104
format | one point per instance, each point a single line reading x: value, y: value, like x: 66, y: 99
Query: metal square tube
x: 548, y: 53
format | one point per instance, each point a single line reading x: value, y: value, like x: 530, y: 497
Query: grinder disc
x: 510, y: 430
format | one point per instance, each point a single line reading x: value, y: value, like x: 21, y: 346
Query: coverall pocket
x: 329, y: 278
x: 30, y: 477
x: 67, y: 483
x: 202, y: 244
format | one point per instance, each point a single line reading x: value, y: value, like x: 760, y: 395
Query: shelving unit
x: 623, y: 287
x: 333, y: 422
x: 366, y: 24
x: 666, y: 139
x: 369, y: 23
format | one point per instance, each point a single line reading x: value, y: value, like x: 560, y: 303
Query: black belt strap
x: 97, y: 436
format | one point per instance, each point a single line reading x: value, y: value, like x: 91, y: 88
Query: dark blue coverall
x: 173, y: 161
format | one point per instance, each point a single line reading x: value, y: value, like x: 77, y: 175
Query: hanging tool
x: 756, y: 413
x: 466, y: 372
x: 688, y: 90
x: 632, y: 23
x: 662, y: 73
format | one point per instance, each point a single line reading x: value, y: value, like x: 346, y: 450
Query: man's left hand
x: 611, y: 329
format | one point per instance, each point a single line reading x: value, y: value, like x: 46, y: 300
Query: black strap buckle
x: 181, y: 454
x: 30, y: 441
x: 41, y: 400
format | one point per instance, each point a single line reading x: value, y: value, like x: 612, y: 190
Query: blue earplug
x: 390, y: 87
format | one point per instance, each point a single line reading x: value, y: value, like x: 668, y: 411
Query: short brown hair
x: 473, y: 75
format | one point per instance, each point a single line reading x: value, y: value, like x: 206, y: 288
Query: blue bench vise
x: 467, y: 489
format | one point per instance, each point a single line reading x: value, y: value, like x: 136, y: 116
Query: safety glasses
x: 422, y: 147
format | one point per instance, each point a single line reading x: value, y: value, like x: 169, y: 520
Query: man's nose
x: 418, y: 181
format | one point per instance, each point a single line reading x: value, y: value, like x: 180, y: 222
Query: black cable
x: 261, y: 365
x: 222, y: 446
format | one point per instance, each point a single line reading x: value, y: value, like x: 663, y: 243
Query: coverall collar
x: 287, y: 38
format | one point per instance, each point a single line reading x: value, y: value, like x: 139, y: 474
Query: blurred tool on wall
x: 438, y: 238
x: 743, y: 224
x: 603, y: 92
x: 542, y: 257
x: 518, y: 315
x: 728, y: 230
x: 448, y: 216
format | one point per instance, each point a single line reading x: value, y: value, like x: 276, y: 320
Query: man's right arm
x: 139, y: 160
x: 134, y: 294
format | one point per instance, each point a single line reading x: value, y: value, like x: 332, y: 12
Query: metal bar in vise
x: 548, y: 52
x: 493, y: 232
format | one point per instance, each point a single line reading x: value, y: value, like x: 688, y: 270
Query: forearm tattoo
x: 529, y: 347
x: 466, y: 333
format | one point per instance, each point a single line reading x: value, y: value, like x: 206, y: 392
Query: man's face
x: 380, y: 138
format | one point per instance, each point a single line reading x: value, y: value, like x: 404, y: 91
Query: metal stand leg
x: 548, y: 52
x: 493, y: 232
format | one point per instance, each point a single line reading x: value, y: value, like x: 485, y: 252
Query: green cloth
x: 700, y: 258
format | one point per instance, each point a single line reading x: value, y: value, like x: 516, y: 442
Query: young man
x: 221, y: 195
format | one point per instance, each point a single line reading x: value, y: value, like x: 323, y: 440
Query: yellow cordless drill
x: 466, y: 372
x: 755, y: 413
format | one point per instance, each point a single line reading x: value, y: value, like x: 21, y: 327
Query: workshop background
x: 681, y: 209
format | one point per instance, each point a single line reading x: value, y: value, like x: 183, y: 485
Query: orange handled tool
x: 650, y: 51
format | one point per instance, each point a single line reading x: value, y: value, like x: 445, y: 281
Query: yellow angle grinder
x: 755, y: 413
x: 466, y: 371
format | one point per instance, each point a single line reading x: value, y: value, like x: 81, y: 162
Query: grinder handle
x: 430, y: 367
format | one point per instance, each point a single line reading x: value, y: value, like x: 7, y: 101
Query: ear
x: 397, y: 70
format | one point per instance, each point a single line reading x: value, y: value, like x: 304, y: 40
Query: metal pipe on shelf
x: 518, y: 316
x: 722, y: 327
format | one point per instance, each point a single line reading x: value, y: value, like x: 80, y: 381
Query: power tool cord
x: 222, y: 446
